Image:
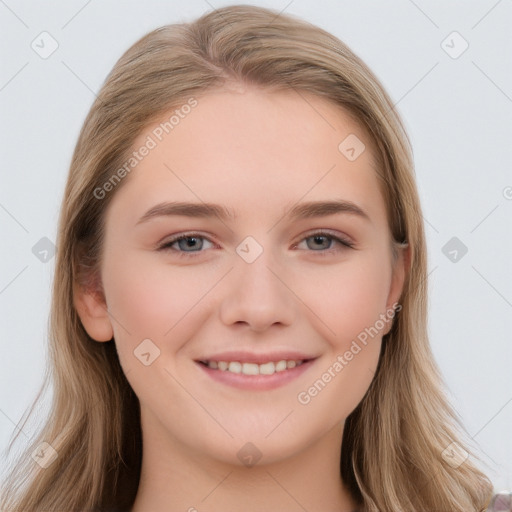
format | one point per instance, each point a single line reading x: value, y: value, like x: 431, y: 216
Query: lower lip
x: 256, y: 382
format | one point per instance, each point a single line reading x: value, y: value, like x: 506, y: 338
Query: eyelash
x: 347, y: 244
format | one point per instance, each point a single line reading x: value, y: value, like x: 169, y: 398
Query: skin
x: 258, y: 153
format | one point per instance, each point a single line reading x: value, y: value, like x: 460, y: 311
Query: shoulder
x: 501, y: 502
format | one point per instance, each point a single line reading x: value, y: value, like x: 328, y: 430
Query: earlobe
x: 92, y: 310
x: 400, y: 269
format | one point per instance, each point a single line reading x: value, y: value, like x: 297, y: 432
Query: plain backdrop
x: 456, y: 103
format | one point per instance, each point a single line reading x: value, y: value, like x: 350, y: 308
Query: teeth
x: 267, y: 368
x: 253, y: 368
x: 280, y: 366
x: 250, y: 369
x: 235, y: 367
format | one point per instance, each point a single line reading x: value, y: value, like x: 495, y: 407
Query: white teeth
x: 253, y: 368
x: 249, y: 369
x: 235, y: 367
x: 267, y: 368
x: 280, y: 366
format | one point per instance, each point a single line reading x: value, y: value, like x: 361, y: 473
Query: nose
x: 256, y: 295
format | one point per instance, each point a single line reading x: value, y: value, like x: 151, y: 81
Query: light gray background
x: 458, y: 112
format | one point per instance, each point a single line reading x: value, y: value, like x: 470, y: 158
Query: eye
x: 187, y: 243
x: 322, y: 241
x: 192, y: 244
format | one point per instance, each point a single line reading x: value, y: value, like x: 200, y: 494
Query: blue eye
x: 324, y: 242
x: 193, y: 241
x: 192, y: 244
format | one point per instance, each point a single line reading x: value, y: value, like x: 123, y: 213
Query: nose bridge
x: 256, y: 276
x: 255, y: 295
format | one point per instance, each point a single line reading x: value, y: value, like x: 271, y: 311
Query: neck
x: 175, y: 479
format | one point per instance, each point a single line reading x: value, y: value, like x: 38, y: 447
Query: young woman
x: 239, y: 307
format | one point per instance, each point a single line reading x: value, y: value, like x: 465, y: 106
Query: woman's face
x: 288, y: 280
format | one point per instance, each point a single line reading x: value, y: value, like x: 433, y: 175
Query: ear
x: 92, y: 310
x: 400, y: 269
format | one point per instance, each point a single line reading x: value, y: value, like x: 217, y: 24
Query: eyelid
x: 343, y: 240
x: 335, y: 235
x: 164, y: 245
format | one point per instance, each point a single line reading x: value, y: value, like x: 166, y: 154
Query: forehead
x: 250, y: 148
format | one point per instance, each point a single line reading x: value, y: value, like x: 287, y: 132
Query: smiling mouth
x: 269, y: 368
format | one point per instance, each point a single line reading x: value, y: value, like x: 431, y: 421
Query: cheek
x: 347, y: 298
x: 148, y: 299
x: 350, y: 302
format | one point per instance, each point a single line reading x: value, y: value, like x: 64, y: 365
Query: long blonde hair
x: 394, y: 440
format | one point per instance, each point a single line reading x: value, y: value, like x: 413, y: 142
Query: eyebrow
x: 188, y: 210
x: 299, y: 211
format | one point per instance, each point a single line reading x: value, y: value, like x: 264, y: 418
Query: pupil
x: 320, y: 240
x: 190, y: 242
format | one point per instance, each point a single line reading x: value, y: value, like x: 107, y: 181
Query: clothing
x: 501, y: 502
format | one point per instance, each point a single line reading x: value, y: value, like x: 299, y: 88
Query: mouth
x: 268, y: 368
x: 252, y: 372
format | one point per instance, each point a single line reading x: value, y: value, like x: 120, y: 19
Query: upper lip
x: 251, y: 357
